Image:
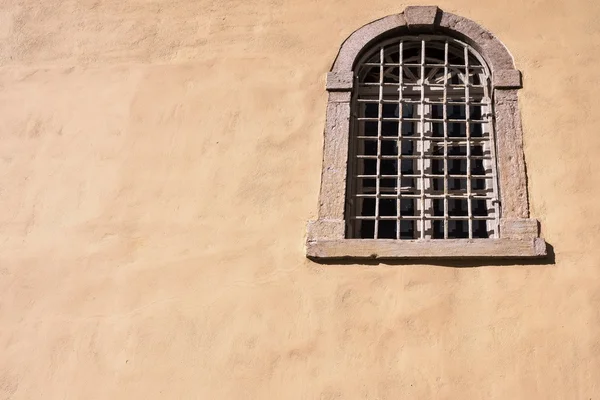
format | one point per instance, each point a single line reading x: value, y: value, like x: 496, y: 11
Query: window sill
x: 327, y: 249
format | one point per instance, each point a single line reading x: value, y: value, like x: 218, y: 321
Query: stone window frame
x: 518, y: 234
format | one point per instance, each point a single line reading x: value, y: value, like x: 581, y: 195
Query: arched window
x: 422, y: 156
x: 423, y: 148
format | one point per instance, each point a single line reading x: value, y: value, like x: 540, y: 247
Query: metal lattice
x: 422, y: 155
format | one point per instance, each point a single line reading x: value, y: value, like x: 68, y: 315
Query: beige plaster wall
x: 159, y: 160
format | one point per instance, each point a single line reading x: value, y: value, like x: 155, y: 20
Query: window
x: 422, y: 160
x: 423, y: 148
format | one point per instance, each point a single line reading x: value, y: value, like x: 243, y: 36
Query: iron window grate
x: 422, y: 155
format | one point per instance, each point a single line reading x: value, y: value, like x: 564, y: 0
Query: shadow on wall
x: 549, y: 259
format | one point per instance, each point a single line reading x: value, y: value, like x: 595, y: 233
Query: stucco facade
x: 160, y: 161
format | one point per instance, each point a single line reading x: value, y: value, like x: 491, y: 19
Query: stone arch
x: 419, y: 19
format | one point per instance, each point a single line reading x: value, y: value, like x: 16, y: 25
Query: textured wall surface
x: 159, y: 161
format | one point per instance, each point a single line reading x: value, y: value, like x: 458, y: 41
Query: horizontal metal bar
x: 455, y: 66
x: 438, y: 139
x: 427, y: 217
x: 419, y: 85
x: 472, y: 176
x: 417, y: 157
x: 426, y: 102
x: 425, y: 196
x: 398, y: 119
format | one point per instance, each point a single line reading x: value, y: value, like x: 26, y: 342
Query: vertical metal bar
x: 468, y: 134
x: 379, y: 136
x: 422, y: 128
x: 400, y: 117
x: 445, y: 116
